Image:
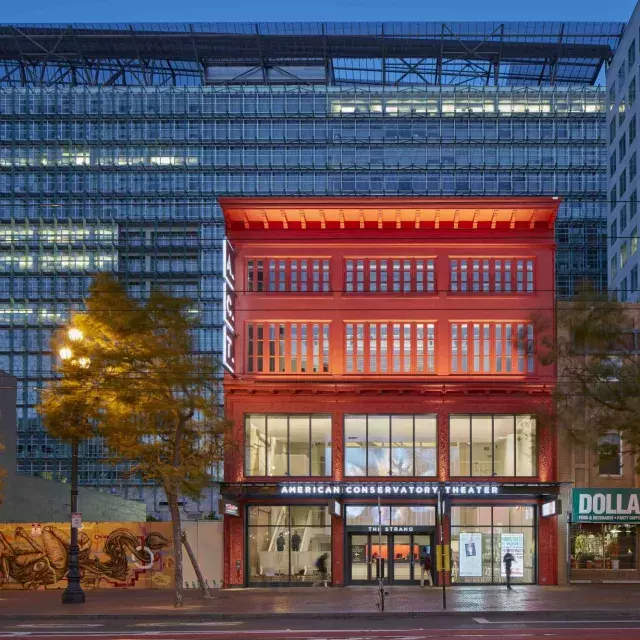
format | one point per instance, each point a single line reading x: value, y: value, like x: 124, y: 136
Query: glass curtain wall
x: 397, y: 445
x: 150, y: 162
x: 498, y: 529
x: 287, y: 445
x: 493, y: 445
x: 284, y: 543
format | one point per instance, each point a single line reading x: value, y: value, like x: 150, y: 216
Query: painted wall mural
x: 112, y: 554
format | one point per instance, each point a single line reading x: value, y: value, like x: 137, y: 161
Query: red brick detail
x: 337, y: 435
x: 548, y: 551
x: 337, y: 556
x: 234, y: 551
x: 443, y: 445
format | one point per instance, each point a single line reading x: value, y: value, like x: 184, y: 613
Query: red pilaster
x: 548, y: 551
x: 337, y: 556
x: 234, y: 551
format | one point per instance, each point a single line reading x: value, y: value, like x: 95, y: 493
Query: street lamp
x: 73, y: 594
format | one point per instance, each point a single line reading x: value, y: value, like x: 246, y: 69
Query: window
x: 493, y: 445
x: 487, y: 347
x: 621, y: 75
x: 612, y: 127
x: 613, y: 199
x: 288, y: 275
x: 604, y: 546
x: 622, y: 183
x: 396, y: 445
x: 287, y: 445
x: 622, y: 147
x: 631, y: 56
x: 622, y: 219
x: 284, y: 542
x: 613, y: 266
x: 612, y: 164
x: 633, y: 128
x: 408, y: 275
x: 634, y: 278
x: 492, y: 526
x: 613, y: 232
x: 411, y: 345
x: 288, y: 347
x: 624, y: 254
x: 633, y: 204
x: 610, y: 455
x: 633, y: 166
x: 490, y: 275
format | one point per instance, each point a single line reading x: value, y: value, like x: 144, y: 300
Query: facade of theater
x: 386, y: 388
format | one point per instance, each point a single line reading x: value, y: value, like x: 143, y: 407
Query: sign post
x: 443, y: 549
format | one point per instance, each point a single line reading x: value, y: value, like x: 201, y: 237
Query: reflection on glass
x: 294, y: 445
x: 460, y: 445
x: 492, y: 523
x: 604, y: 546
x: 321, y: 446
x: 504, y: 445
x: 285, y: 542
x: 256, y: 445
x: 299, y: 434
x: 388, y: 445
x: 526, y: 446
x: 426, y: 432
x: 378, y: 449
x: 277, y: 446
x: 481, y: 458
x: 402, y: 445
x: 355, y: 428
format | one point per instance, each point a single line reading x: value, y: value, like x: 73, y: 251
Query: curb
x: 177, y: 617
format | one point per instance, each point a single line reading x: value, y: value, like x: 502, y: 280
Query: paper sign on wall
x: 470, y: 555
x: 514, y: 543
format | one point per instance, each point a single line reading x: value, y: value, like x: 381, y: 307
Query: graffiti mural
x: 132, y: 555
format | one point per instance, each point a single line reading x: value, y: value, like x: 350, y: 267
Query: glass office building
x: 113, y: 151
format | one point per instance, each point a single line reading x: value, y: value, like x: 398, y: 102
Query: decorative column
x: 443, y: 444
x: 547, y: 551
x: 337, y: 551
x: 234, y: 561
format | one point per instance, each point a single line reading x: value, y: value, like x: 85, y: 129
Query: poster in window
x: 470, y: 555
x: 513, y: 542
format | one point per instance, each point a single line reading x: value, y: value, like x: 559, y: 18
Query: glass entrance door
x: 368, y: 555
x: 397, y: 556
x: 407, y: 551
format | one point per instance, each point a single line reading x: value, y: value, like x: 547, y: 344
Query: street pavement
x: 315, y: 603
x: 429, y: 627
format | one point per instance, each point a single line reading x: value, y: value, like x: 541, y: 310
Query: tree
x: 598, y: 389
x: 131, y: 377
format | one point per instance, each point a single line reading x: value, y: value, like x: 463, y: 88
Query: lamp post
x: 73, y: 594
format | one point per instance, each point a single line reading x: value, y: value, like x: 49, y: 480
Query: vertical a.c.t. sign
x: 229, y: 300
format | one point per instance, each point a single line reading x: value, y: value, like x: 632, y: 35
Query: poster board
x: 513, y: 542
x: 470, y: 555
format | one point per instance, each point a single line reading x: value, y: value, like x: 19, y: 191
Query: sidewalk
x: 355, y: 602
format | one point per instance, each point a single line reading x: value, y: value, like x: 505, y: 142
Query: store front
x: 286, y: 532
x: 604, y: 535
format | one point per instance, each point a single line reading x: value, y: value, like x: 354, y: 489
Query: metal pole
x: 444, y: 576
x: 569, y: 547
x: 73, y: 594
x: 380, y: 565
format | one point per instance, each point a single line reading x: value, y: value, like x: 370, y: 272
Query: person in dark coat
x: 508, y: 561
x: 295, y: 541
x: 323, y: 570
x: 280, y: 542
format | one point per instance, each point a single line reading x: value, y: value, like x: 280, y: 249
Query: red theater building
x: 386, y: 350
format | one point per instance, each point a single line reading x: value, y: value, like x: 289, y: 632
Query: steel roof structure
x: 329, y: 53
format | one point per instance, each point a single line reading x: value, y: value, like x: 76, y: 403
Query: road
x: 431, y: 627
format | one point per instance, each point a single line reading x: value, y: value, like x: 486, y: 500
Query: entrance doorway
x: 397, y: 556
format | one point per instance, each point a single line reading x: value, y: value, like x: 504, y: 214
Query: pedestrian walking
x: 508, y: 561
x: 321, y: 566
x: 426, y: 567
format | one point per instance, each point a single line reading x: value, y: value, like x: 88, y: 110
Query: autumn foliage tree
x: 597, y: 356
x: 132, y: 377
